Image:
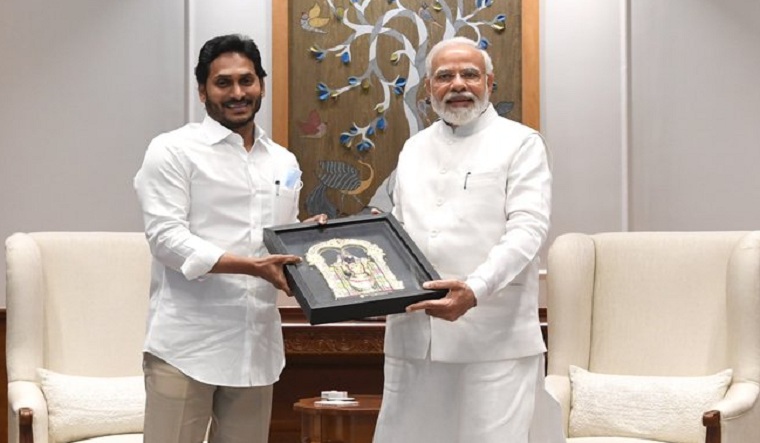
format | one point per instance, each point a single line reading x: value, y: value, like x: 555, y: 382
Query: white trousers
x: 488, y: 402
x: 178, y: 408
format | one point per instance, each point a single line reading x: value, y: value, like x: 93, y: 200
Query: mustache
x: 459, y: 95
x: 237, y: 102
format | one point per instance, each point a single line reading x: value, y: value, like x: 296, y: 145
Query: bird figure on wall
x: 313, y: 127
x: 424, y: 12
x: 341, y: 176
x: 312, y: 22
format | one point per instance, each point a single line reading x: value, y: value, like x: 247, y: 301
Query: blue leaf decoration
x: 323, y: 92
x: 353, y: 81
x: 401, y: 81
x: 345, y: 139
x: 483, y: 43
x: 354, y: 130
x: 501, y: 18
x: 364, y: 146
x: 345, y: 58
x: 381, y: 123
x: 370, y: 131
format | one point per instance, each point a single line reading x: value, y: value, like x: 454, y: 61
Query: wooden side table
x: 338, y: 424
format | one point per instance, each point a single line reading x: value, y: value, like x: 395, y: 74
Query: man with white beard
x: 474, y: 192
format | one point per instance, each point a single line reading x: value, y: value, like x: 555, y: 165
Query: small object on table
x: 336, y: 398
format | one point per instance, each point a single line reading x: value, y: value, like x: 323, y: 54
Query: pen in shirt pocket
x: 277, y: 188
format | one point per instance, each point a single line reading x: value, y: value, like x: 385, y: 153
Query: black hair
x: 223, y: 44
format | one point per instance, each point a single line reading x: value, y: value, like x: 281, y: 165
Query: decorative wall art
x: 348, y: 82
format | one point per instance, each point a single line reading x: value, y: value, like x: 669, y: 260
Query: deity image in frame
x: 353, y: 267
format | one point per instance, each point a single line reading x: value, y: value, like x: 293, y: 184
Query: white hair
x: 454, y: 41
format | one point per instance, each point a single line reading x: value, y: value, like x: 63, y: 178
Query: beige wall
x: 695, y: 114
x: 650, y: 107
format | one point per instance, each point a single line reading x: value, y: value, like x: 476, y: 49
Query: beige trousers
x: 179, y: 409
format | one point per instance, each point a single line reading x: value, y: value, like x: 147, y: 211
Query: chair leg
x: 25, y: 420
x: 711, y: 421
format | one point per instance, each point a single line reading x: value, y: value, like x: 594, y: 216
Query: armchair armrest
x: 559, y: 387
x: 733, y: 419
x: 26, y: 403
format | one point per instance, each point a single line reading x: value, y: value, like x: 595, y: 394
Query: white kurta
x: 476, y: 200
x: 203, y: 194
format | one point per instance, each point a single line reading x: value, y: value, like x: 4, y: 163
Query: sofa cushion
x: 85, y: 407
x: 648, y: 407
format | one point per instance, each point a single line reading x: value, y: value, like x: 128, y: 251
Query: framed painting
x: 353, y: 267
x: 348, y: 83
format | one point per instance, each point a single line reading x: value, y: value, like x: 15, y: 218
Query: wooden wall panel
x: 297, y: 73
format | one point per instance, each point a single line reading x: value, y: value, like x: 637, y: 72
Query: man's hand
x: 455, y: 304
x: 319, y: 218
x: 270, y: 268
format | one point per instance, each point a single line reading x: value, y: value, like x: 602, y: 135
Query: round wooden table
x: 338, y: 424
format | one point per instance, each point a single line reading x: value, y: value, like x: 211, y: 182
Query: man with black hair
x: 214, y: 341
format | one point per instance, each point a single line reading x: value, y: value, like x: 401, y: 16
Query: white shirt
x: 476, y: 201
x: 202, y: 194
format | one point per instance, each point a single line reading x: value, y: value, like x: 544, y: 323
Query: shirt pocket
x: 483, y: 192
x: 286, y: 204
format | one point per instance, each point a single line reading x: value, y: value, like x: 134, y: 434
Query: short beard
x: 460, y: 116
x: 217, y: 113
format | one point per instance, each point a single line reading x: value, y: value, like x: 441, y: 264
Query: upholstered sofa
x: 76, y: 306
x: 655, y: 336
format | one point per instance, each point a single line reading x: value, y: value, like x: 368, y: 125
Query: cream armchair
x: 655, y: 318
x: 76, y: 306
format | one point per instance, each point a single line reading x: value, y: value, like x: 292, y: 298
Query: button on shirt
x: 202, y: 194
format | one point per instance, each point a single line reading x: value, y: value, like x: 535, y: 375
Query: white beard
x: 460, y: 116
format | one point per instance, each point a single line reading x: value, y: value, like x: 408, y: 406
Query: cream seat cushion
x: 656, y: 408
x: 121, y: 438
x: 607, y: 440
x: 86, y: 407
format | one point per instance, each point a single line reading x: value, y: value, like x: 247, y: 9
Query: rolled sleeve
x: 201, y: 261
x: 163, y: 188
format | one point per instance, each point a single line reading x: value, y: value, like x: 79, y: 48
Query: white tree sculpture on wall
x: 381, y: 46
x: 415, y: 109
